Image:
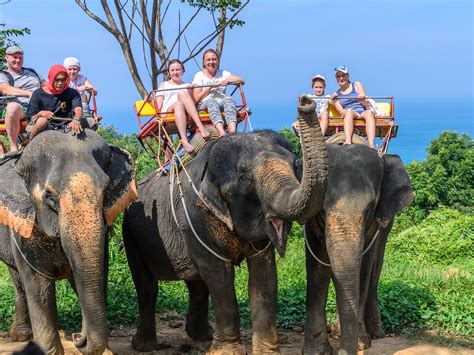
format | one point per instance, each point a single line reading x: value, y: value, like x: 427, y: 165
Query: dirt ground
x: 173, y: 339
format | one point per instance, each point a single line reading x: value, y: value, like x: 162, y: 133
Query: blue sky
x: 415, y: 50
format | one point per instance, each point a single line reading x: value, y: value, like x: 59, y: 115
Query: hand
x: 75, y: 126
x: 88, y: 88
x: 334, y: 96
x: 224, y: 83
x: 45, y: 114
x: 191, y: 86
x: 342, y: 113
x: 361, y: 97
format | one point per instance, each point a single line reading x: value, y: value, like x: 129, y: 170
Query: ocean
x: 419, y: 122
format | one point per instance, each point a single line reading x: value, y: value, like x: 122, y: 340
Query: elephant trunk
x: 294, y: 200
x: 344, y: 243
x: 83, y: 238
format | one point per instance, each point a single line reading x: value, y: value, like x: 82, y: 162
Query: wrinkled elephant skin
x: 248, y: 197
x: 363, y: 195
x: 62, y: 192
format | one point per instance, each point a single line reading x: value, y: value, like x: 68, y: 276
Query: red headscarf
x: 53, y: 72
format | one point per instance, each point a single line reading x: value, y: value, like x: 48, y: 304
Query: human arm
x: 337, y: 104
x: 361, y: 94
x: 8, y: 90
x: 89, y: 87
x: 159, y: 97
x: 76, y: 102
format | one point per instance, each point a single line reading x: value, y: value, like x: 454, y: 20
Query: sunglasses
x: 341, y: 68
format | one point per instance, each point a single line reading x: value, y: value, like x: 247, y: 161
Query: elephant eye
x: 51, y: 200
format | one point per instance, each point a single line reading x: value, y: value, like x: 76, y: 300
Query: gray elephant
x: 243, y: 198
x: 348, y: 238
x: 56, y: 200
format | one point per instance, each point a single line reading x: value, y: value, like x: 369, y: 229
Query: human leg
x: 324, y: 122
x: 13, y: 115
x: 38, y: 126
x: 369, y: 118
x: 180, y: 120
x: 213, y: 108
x: 190, y: 108
x: 349, y: 125
x: 230, y: 112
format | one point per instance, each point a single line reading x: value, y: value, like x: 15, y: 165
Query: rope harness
x: 174, y: 174
x: 329, y: 265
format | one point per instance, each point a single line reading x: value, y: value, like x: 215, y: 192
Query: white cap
x: 70, y: 61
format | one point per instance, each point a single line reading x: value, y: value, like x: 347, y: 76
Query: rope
x: 181, y: 195
x: 329, y: 265
x: 26, y: 260
x: 259, y: 251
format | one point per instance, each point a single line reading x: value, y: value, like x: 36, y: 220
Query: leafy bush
x: 445, y: 237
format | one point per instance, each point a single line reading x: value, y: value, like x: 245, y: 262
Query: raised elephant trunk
x: 82, y: 227
x: 294, y: 200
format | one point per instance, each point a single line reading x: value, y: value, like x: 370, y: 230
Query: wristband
x: 76, y: 119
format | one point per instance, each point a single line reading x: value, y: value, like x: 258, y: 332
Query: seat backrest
x: 144, y: 109
x: 384, y: 107
x: 333, y: 112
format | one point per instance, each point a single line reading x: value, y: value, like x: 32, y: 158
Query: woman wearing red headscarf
x: 55, y: 99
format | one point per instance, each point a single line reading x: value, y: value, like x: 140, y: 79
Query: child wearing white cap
x: 318, y: 83
x: 79, y: 82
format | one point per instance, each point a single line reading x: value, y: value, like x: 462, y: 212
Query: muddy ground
x: 173, y: 339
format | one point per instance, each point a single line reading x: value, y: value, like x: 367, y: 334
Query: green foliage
x: 218, y: 5
x: 294, y: 140
x: 446, y: 177
x: 445, y: 237
x: 6, y: 35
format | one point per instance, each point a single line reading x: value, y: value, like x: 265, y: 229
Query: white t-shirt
x: 171, y: 96
x: 202, y: 79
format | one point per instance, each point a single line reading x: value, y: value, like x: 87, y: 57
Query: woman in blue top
x: 351, y: 103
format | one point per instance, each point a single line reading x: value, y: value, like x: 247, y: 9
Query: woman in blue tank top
x: 351, y: 103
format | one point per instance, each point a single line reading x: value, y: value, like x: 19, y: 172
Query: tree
x: 147, y: 18
x: 447, y: 176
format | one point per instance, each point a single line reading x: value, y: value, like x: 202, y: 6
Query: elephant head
x: 249, y: 180
x: 65, y: 190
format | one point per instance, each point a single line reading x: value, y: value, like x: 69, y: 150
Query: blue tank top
x: 349, y: 101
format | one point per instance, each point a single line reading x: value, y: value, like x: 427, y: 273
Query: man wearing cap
x: 20, y: 82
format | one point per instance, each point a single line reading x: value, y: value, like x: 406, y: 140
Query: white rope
x: 26, y: 260
x: 329, y: 265
x: 259, y: 251
x: 192, y: 227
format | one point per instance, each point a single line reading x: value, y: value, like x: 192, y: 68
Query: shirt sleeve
x: 196, y: 79
x: 4, y: 79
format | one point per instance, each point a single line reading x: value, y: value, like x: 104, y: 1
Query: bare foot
x: 188, y: 147
x: 204, y: 133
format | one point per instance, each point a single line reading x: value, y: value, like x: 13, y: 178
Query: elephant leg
x: 197, y: 318
x: 21, y: 328
x: 219, y: 277
x: 263, y: 302
x: 373, y: 320
x: 318, y: 277
x: 147, y: 291
x: 41, y: 298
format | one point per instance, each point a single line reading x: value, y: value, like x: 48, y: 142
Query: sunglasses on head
x: 341, y: 68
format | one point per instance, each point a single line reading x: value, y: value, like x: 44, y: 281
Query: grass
x: 421, y: 288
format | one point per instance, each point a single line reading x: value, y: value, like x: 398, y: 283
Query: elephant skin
x: 363, y: 195
x: 249, y: 195
x: 58, y: 197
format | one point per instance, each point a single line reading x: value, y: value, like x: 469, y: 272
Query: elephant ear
x: 397, y: 190
x: 122, y: 189
x: 213, y: 199
x: 16, y: 207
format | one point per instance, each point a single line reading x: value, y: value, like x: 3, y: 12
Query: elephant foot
x: 144, y: 343
x: 20, y: 333
x: 199, y: 333
x: 261, y: 346
x: 376, y: 332
x: 335, y: 331
x: 317, y: 348
x: 230, y: 349
x: 364, y: 342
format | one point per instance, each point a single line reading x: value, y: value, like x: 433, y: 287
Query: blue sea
x: 419, y: 122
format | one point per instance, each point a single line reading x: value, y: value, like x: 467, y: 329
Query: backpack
x: 11, y: 80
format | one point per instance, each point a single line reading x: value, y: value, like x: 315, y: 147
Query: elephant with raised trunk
x: 56, y: 200
x: 244, y: 199
x: 346, y: 242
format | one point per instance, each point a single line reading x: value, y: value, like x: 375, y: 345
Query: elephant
x: 237, y: 203
x: 346, y: 242
x: 57, y: 199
